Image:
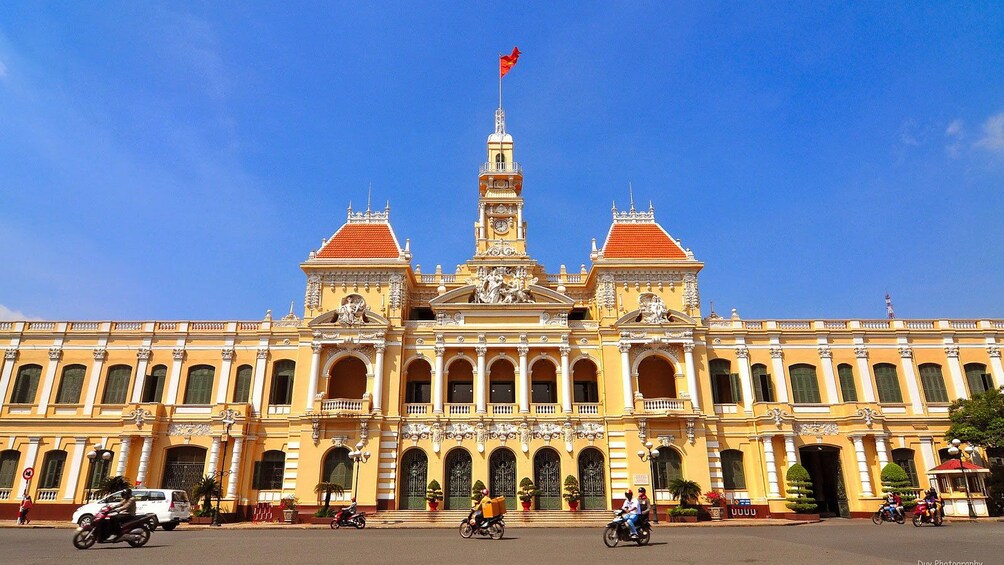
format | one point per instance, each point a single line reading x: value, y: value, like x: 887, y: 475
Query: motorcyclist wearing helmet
x: 122, y: 512
x: 630, y: 509
x: 644, y: 505
x: 479, y: 513
x: 347, y: 512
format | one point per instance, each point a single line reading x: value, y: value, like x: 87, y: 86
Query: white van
x: 170, y: 506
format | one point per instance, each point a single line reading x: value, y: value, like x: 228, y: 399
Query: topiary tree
x: 571, y: 489
x: 527, y: 490
x: 476, y: 490
x: 326, y: 488
x: 895, y: 480
x: 684, y: 490
x: 112, y: 485
x: 799, y: 490
x: 435, y: 492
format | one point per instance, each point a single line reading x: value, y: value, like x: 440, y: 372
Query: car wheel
x: 85, y: 520
x: 169, y: 526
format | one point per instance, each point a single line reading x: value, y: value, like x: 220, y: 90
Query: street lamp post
x: 650, y: 454
x: 966, y: 453
x: 229, y: 418
x: 359, y: 457
x: 97, y: 453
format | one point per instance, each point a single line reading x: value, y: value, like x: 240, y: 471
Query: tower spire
x: 369, y: 193
x: 631, y: 195
x: 888, y: 307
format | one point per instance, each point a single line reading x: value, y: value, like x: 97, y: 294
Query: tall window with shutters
x: 725, y: 387
x: 887, y: 383
x: 52, y: 469
x: 804, y: 385
x: 8, y: 467
x: 733, y: 474
x: 763, y: 386
x: 242, y: 384
x: 200, y: 385
x: 933, y: 382
x: 977, y: 378
x: 282, y: 382
x: 269, y: 471
x: 70, y: 384
x: 117, y: 384
x: 26, y: 384
x: 904, y: 458
x: 848, y: 391
x: 153, y: 384
x: 337, y: 468
x: 668, y: 467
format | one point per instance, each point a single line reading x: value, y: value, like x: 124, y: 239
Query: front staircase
x: 513, y: 519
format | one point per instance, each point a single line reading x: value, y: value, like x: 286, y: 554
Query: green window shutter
x: 770, y: 388
x: 8, y: 467
x: 116, y: 384
x: 848, y: 390
x: 933, y: 382
x: 26, y: 384
x: 975, y: 378
x: 804, y: 387
x: 200, y: 385
x: 52, y: 471
x: 737, y: 388
x: 256, y: 476
x: 71, y: 385
x: 717, y: 368
x: 887, y: 383
x: 733, y: 475
x: 242, y: 387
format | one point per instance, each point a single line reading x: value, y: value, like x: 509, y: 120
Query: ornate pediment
x: 655, y: 315
x: 465, y: 296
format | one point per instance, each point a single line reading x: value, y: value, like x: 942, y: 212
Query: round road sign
x: 28, y: 473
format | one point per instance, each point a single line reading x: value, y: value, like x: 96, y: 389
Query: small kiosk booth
x: 960, y: 484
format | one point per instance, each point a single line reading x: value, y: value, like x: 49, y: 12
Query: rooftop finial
x: 369, y: 193
x: 888, y: 307
x: 291, y: 306
x: 631, y: 195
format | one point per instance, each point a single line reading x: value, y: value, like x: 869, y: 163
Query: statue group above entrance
x: 502, y: 285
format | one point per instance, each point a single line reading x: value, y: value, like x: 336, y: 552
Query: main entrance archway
x: 502, y: 476
x: 457, y: 490
x: 823, y: 464
x: 547, y: 476
x: 414, y: 470
x: 592, y: 480
x: 183, y: 467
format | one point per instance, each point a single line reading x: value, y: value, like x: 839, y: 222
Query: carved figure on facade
x: 502, y: 285
x: 825, y: 353
x: 994, y: 351
x: 459, y: 432
x: 776, y: 353
x: 503, y: 432
x: 666, y: 440
x: 606, y: 295
x: 777, y: 415
x: 691, y: 433
x: 139, y: 417
x: 102, y: 354
x: 906, y: 352
x: 312, y: 298
x: 691, y: 294
x: 547, y: 431
x: 590, y: 431
x: 817, y: 429
x: 869, y: 415
x: 416, y: 431
x: 55, y: 353
x: 568, y: 431
x: 861, y: 352
x: 178, y: 353
x: 315, y: 429
x: 524, y: 436
x: 952, y: 350
x: 352, y: 310
x: 364, y: 427
x: 437, y: 436
x: 396, y: 293
x: 653, y: 309
x: 480, y: 435
x: 188, y: 430
x: 10, y: 354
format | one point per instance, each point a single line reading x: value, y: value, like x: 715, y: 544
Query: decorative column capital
x: 263, y: 353
x: 952, y: 351
x: 523, y: 350
x: 688, y: 347
x: 776, y: 353
x: 380, y: 347
x: 100, y: 354
x: 742, y: 352
x: 55, y: 353
x: 825, y: 353
x: 440, y: 349
x: 906, y: 352
x: 861, y: 352
x: 624, y: 347
x: 564, y: 350
x: 178, y: 353
x: 994, y: 351
x: 316, y: 347
x: 143, y: 354
x: 481, y: 350
x: 10, y: 354
x: 227, y: 354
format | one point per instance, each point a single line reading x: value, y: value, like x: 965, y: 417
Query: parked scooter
x: 101, y: 529
x: 618, y: 531
x: 346, y: 517
x: 491, y: 527
x: 888, y: 513
x: 927, y: 513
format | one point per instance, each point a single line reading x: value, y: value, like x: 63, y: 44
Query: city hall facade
x: 495, y: 371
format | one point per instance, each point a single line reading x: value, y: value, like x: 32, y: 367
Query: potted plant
x: 327, y: 489
x: 716, y: 501
x: 527, y: 490
x: 288, y: 505
x: 433, y: 495
x: 800, y: 493
x: 685, y: 491
x: 572, y: 493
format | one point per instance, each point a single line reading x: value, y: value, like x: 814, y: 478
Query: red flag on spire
x: 507, y: 62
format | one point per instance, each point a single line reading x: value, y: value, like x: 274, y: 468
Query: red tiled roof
x: 640, y: 241
x: 361, y: 241
x: 953, y: 465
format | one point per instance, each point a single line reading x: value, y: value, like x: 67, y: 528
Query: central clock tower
x: 500, y: 231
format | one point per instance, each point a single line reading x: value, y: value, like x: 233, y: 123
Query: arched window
x: 978, y: 378
x: 348, y: 379
x: 584, y: 382
x: 117, y: 384
x: 543, y: 382
x: 904, y: 458
x: 733, y: 473
x: 153, y: 384
x: 26, y: 384
x: 242, y: 384
x: 725, y: 388
x: 804, y: 386
x: 933, y: 382
x: 337, y: 468
x: 763, y: 386
x: 887, y: 383
x: 668, y: 466
x: 71, y: 384
x: 8, y: 467
x: 656, y: 378
x: 418, y: 389
x: 269, y: 471
x: 848, y: 391
x: 200, y: 385
x: 502, y: 382
x: 282, y: 382
x: 460, y: 378
x: 499, y: 161
x: 52, y: 469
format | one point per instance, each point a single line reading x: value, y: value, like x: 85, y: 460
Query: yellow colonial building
x: 494, y: 371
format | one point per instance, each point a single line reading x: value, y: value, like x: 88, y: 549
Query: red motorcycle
x: 927, y: 513
x: 101, y: 529
x: 345, y: 517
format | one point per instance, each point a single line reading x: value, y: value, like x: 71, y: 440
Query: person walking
x: 22, y: 514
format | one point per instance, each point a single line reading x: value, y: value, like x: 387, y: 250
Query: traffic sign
x: 28, y: 473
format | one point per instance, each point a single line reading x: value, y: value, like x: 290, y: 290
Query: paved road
x: 832, y: 542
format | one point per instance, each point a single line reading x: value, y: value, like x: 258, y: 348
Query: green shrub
x: 896, y: 481
x: 527, y: 490
x: 571, y: 489
x: 799, y: 490
x: 685, y: 491
x: 680, y: 511
x: 325, y: 513
x: 434, y: 492
x: 476, y: 490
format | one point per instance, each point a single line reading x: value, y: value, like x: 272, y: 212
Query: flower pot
x: 288, y: 515
x: 433, y: 505
x: 526, y: 505
x: 573, y: 505
x: 716, y: 512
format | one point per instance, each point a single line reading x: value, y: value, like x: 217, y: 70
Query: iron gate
x: 183, y: 468
x: 414, y: 469
x: 547, y: 476
x: 458, y: 480
x: 592, y: 480
x: 502, y: 476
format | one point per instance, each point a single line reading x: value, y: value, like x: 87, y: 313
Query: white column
x: 625, y: 349
x: 745, y: 378
x: 927, y: 455
x: 227, y: 355
x: 50, y: 376
x: 519, y: 221
x: 829, y: 376
x: 29, y: 461
x: 768, y: 460
x: 566, y: 381
x: 174, y: 378
x: 882, y: 450
x: 142, y: 361
x: 235, y: 465
x: 480, y: 378
x: 955, y: 372
x: 691, y: 370
x: 524, y: 379
x: 790, y: 455
x: 378, y: 378
x: 92, y: 384
x: 123, y: 461
x: 910, y: 375
x: 780, y: 377
x: 865, y: 372
x: 10, y: 355
x: 259, y: 378
x: 214, y: 456
x: 481, y: 224
x: 996, y: 369
x: 315, y: 369
x: 74, y: 469
x: 144, y: 459
x: 437, y: 383
x: 865, y: 478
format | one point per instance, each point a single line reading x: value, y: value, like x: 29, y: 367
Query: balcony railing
x: 587, y: 408
x: 724, y: 408
x: 501, y: 409
x: 280, y: 409
x: 489, y: 168
x: 342, y: 405
x: 5, y: 493
x: 47, y: 494
x: 455, y: 409
x: 664, y: 404
x: 544, y: 408
x: 413, y: 409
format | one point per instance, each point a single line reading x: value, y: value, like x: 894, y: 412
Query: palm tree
x: 326, y: 488
x: 684, y: 490
x: 111, y: 485
x: 206, y: 489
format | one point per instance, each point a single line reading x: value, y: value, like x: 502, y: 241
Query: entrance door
x: 592, y: 480
x: 183, y: 467
x: 823, y: 464
x: 547, y: 476
x: 414, y: 469
x: 458, y: 480
x: 502, y: 476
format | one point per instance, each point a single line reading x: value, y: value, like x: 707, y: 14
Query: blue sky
x: 178, y: 161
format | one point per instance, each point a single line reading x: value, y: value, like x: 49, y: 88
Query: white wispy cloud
x: 955, y: 132
x: 955, y: 129
x: 8, y: 314
x: 993, y: 135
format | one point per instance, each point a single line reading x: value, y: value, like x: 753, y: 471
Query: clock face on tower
x: 501, y: 225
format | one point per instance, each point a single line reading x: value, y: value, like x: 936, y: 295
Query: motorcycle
x: 888, y: 513
x: 492, y: 527
x: 927, y: 513
x: 346, y: 518
x: 136, y: 531
x: 618, y: 531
